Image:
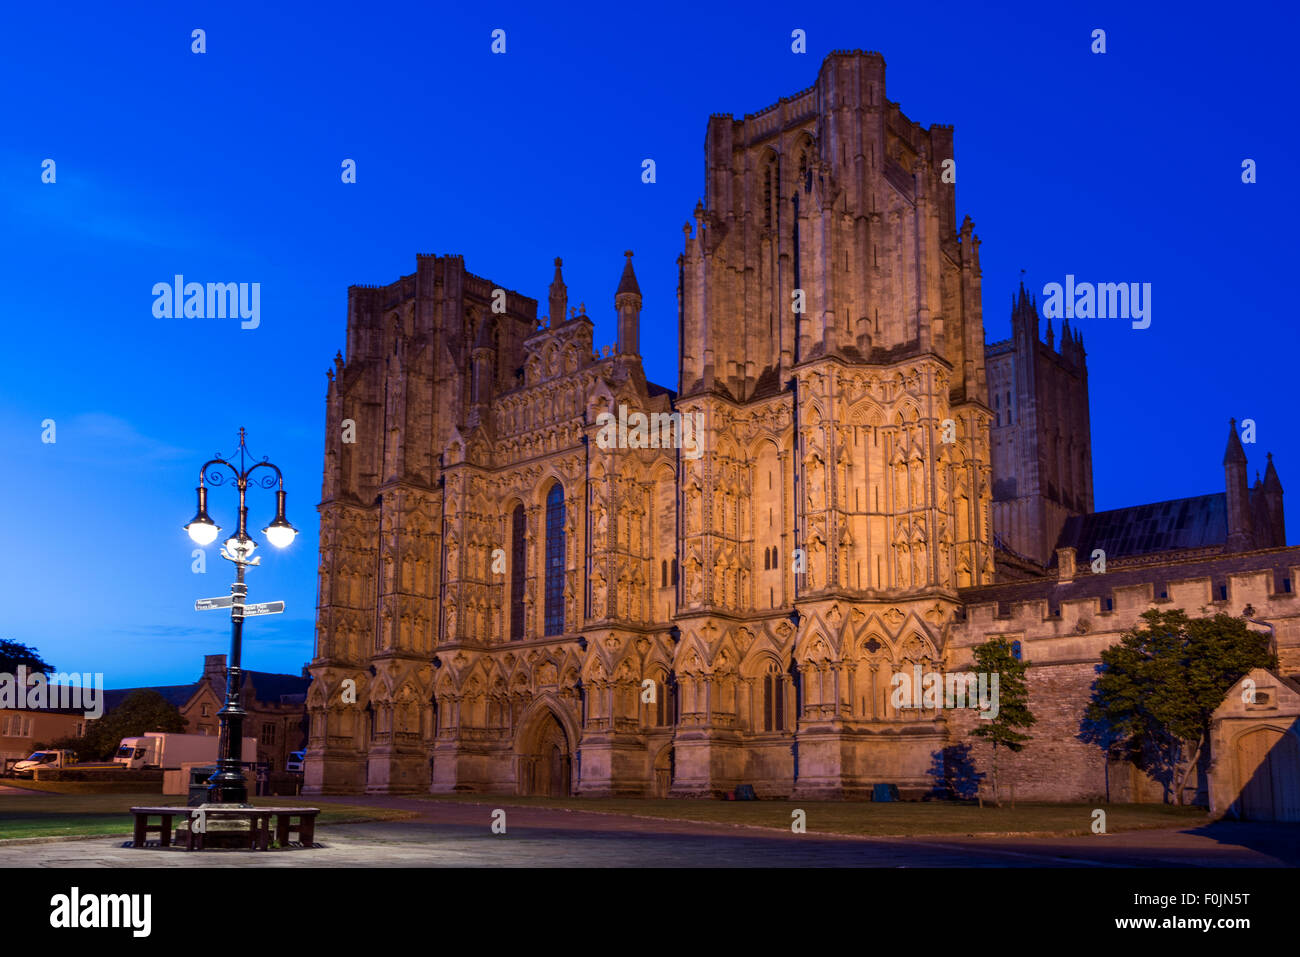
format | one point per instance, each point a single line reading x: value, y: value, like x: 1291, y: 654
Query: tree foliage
x: 1157, y: 689
x: 141, y: 711
x: 997, y: 657
x: 14, y: 653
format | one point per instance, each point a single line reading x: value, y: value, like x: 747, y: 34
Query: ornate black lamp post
x: 226, y: 786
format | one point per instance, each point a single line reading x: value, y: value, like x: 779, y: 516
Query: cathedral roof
x: 1182, y: 523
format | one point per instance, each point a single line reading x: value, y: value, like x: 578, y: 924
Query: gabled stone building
x: 511, y: 602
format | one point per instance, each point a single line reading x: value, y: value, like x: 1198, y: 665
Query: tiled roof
x: 1181, y: 523
x: 176, y: 695
x: 272, y: 687
x: 267, y: 686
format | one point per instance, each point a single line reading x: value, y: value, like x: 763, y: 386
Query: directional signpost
x: 265, y: 608
x: 228, y: 601
x: 208, y: 604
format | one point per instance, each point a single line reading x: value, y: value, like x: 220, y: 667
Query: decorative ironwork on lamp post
x: 226, y: 786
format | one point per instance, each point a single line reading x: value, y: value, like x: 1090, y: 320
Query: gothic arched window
x: 773, y: 698
x: 518, y: 573
x: 663, y: 574
x: 665, y: 703
x: 555, y: 560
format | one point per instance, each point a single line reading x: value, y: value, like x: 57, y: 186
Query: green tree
x: 1157, y: 689
x: 14, y: 653
x: 997, y: 657
x: 141, y: 711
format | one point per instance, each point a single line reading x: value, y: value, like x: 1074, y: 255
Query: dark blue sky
x: 225, y: 167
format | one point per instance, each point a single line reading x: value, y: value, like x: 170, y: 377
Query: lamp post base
x: 228, y: 787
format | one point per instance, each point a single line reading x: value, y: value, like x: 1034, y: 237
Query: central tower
x: 834, y: 193
x: 832, y: 339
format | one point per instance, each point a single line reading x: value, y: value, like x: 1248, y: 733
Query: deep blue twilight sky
x: 225, y: 167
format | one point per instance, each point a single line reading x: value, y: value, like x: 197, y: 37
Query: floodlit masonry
x: 498, y: 587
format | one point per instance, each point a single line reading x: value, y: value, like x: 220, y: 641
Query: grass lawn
x: 45, y: 813
x: 893, y: 819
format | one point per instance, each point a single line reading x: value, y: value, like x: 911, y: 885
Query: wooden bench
x: 258, y: 818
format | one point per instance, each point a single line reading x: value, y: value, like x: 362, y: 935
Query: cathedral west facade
x: 511, y: 603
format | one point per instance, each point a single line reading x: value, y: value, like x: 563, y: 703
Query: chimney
x: 214, y: 668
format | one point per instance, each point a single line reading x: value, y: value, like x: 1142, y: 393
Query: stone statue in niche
x: 816, y: 564
x: 918, y: 483
x: 902, y: 565
x: 694, y: 588
x: 816, y: 485
x: 598, y: 595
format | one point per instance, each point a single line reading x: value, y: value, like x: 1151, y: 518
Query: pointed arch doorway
x: 665, y: 768
x: 545, y: 759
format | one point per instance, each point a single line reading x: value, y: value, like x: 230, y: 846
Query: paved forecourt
x: 459, y: 835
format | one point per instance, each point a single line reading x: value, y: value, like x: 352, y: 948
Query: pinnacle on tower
x: 1271, y: 481
x: 1234, y: 454
x: 627, y: 284
x: 559, y: 294
x: 1240, y: 532
x: 627, y: 302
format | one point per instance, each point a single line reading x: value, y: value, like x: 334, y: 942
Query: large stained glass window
x: 555, y: 561
x: 518, y: 573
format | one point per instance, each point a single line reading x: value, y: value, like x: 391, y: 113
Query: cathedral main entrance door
x: 545, y: 762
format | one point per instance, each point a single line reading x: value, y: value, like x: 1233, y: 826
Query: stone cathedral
x: 508, y: 604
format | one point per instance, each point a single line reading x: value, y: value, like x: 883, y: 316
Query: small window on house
x: 1108, y: 604
x: 767, y: 559
x: 663, y: 574
x: 203, y: 712
x: 1015, y: 650
x: 268, y: 734
x: 674, y: 567
x: 1223, y: 592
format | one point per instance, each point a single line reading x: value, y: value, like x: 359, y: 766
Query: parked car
x: 295, y: 762
x: 43, y: 759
